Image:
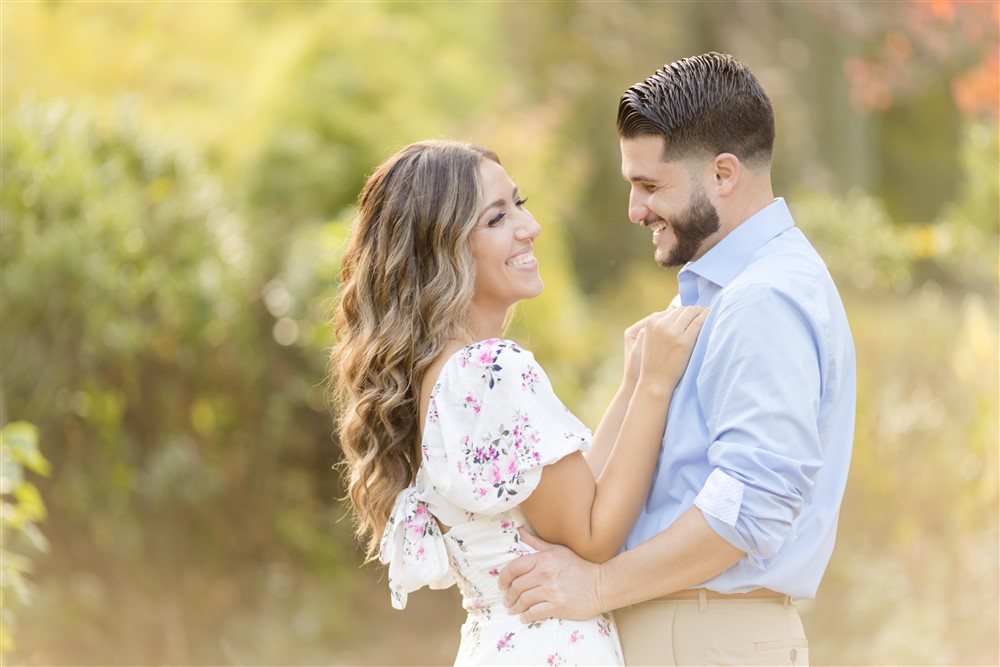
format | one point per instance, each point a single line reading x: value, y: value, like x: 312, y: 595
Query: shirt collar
x: 730, y: 256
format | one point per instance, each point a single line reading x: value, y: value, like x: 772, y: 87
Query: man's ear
x: 724, y: 172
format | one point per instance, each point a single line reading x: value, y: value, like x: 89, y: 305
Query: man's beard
x: 696, y: 224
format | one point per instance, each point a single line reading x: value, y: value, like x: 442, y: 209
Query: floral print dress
x: 493, y: 422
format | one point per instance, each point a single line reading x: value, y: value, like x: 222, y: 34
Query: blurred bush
x: 191, y: 448
x: 20, y: 511
x: 868, y: 250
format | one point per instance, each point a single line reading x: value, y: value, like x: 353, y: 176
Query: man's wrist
x: 599, y: 592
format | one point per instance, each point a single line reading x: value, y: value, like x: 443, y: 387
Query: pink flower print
x: 486, y: 358
x: 519, y: 550
x: 537, y: 457
x: 575, y: 637
x: 604, y: 628
x: 506, y: 524
x: 528, y: 380
x: 496, y: 473
x: 481, y: 492
x: 555, y: 659
x: 495, y: 572
x: 512, y: 467
x: 505, y: 642
x: 471, y: 402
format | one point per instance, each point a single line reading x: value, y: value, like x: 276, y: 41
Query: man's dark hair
x: 710, y: 103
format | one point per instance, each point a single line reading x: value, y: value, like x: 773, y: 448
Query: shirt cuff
x: 721, y: 497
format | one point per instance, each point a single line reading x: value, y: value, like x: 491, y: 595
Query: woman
x: 453, y: 437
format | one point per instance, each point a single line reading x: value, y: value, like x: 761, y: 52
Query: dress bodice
x: 493, y: 422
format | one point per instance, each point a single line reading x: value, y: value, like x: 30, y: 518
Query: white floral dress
x: 492, y: 422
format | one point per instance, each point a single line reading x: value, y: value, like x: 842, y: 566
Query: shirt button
x: 794, y: 655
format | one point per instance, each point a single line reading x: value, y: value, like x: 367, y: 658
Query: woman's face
x: 506, y: 268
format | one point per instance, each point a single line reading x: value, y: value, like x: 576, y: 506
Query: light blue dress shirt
x: 761, y: 426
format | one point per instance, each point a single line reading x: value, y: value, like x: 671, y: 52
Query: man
x: 743, y: 511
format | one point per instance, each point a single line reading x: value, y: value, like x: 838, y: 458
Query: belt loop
x: 702, y: 600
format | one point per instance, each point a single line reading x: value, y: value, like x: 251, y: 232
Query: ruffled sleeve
x: 496, y: 423
x: 413, y: 548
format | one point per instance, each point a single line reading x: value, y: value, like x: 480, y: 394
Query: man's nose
x: 637, y: 209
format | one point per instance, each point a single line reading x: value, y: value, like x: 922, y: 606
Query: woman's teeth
x: 525, y: 258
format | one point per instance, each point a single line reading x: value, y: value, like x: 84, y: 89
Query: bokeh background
x: 177, y: 185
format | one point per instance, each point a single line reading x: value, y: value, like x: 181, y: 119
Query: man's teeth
x: 526, y: 258
x: 658, y: 227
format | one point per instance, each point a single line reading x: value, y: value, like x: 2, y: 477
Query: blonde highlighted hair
x: 407, y: 281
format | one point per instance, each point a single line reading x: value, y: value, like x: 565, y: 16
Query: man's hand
x: 554, y: 582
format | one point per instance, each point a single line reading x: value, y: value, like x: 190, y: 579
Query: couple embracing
x: 705, y: 502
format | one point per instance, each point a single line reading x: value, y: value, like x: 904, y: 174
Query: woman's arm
x: 611, y: 423
x: 593, y: 517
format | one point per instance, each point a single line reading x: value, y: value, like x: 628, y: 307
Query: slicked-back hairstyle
x: 707, y: 104
x: 406, y: 284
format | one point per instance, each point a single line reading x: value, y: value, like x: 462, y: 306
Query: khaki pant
x: 707, y: 631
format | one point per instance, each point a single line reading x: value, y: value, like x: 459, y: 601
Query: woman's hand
x: 633, y: 354
x: 668, y: 339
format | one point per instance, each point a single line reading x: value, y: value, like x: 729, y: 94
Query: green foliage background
x: 177, y: 185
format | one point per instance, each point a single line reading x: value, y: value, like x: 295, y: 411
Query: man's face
x: 668, y: 198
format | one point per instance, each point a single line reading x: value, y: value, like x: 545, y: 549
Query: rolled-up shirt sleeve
x: 760, y: 387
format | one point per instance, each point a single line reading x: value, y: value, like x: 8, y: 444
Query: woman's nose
x: 529, y: 228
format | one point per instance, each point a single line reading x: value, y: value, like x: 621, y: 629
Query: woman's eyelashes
x: 495, y: 220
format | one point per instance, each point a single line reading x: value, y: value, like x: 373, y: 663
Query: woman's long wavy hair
x: 407, y: 282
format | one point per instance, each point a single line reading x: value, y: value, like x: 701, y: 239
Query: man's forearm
x: 684, y: 555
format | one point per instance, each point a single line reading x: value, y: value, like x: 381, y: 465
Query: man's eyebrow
x: 639, y: 178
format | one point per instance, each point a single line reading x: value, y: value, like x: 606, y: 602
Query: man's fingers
x: 526, y: 600
x: 514, y: 569
x: 539, y: 612
x: 533, y: 541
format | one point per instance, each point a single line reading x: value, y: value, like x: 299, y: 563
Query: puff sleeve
x: 494, y: 423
